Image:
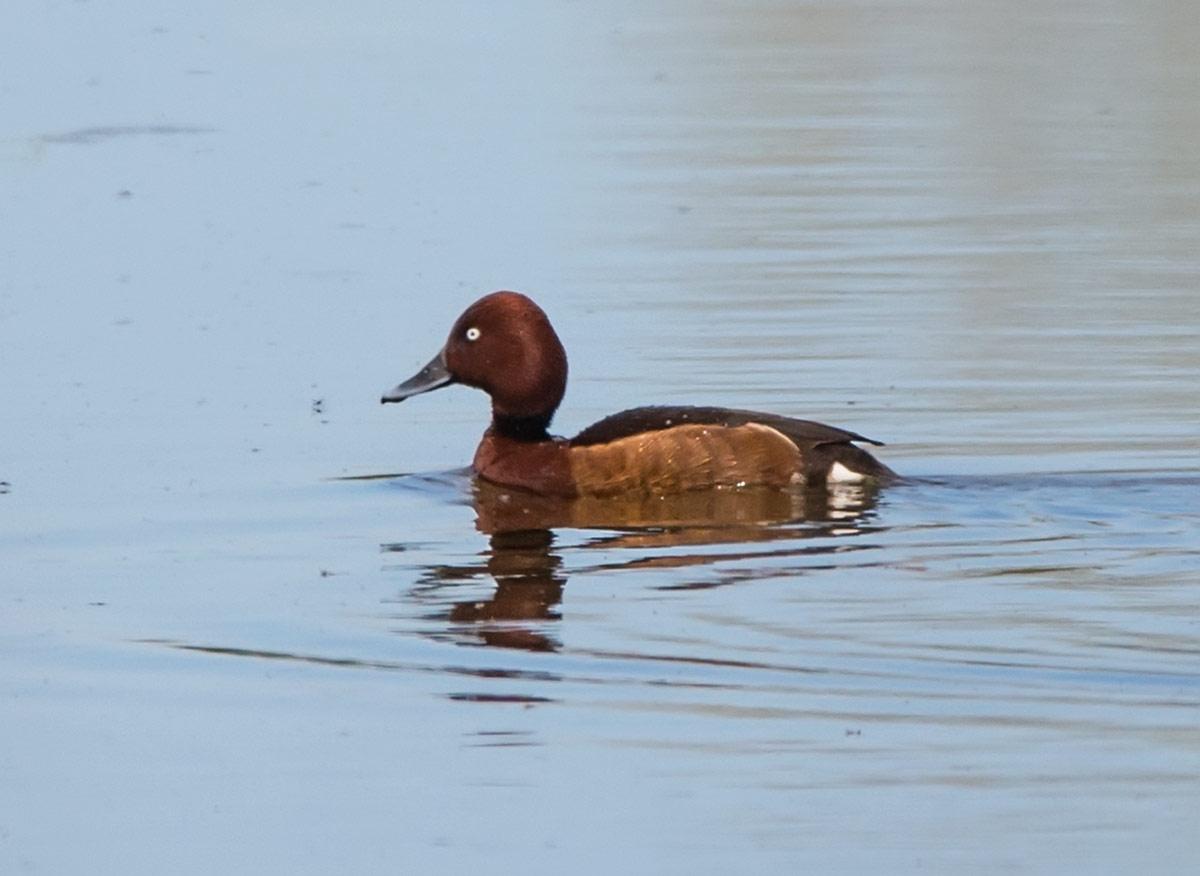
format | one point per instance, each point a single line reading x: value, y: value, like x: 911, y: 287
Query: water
x: 968, y: 231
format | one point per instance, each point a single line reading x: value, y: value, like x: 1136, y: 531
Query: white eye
x: 472, y: 334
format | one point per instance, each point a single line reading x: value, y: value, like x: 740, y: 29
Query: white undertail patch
x: 839, y: 474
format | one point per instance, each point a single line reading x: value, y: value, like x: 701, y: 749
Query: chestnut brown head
x: 503, y: 344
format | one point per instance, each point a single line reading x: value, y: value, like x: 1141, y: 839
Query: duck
x: 505, y: 345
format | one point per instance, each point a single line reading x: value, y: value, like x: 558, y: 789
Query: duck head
x: 503, y: 344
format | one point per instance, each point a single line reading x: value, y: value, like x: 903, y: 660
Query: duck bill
x: 433, y: 376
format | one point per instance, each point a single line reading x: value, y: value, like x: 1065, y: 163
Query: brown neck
x: 527, y: 429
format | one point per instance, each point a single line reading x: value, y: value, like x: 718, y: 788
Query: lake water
x: 969, y: 230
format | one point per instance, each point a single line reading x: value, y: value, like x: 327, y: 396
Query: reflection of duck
x: 504, y: 344
x: 528, y: 569
x: 693, y: 517
x: 529, y: 583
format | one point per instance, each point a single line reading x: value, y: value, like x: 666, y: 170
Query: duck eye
x: 472, y: 334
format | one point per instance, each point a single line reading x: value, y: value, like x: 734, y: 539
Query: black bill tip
x: 433, y: 376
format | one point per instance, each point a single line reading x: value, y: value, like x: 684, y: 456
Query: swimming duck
x: 504, y: 344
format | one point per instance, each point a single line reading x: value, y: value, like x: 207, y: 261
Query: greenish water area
x: 252, y: 621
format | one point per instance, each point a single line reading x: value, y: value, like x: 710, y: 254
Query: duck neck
x: 516, y: 428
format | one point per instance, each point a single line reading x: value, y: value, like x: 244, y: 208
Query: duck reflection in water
x: 526, y: 560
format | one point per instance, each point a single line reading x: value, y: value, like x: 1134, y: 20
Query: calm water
x: 969, y: 230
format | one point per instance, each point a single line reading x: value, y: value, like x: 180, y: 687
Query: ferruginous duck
x: 504, y: 344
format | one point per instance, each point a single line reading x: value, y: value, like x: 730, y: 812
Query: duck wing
x: 636, y: 421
